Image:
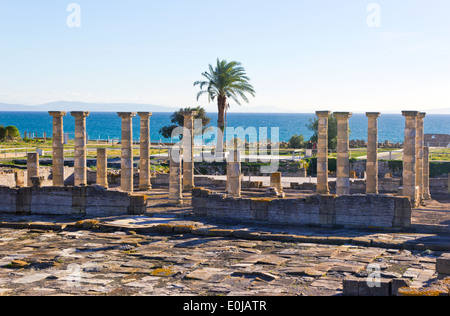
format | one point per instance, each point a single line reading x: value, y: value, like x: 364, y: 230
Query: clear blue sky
x: 302, y: 55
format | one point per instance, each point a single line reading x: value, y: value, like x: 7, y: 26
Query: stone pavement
x: 90, y: 262
x: 181, y: 257
x: 170, y: 252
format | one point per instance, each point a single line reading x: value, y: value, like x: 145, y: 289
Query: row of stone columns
x: 126, y: 165
x: 415, y: 155
x: 80, y: 152
x: 188, y: 151
x: 372, y: 153
x: 80, y: 161
x: 415, y: 159
x: 343, y: 157
x: 58, y: 148
x: 322, y: 153
x: 181, y: 166
x: 144, y: 152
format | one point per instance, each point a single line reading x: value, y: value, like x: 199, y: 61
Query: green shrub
x: 296, y: 141
x: 12, y: 132
x: 439, y: 169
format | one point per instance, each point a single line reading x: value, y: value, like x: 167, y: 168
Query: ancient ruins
x: 270, y: 205
x: 340, y: 226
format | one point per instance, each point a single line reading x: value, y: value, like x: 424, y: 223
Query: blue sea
x: 101, y: 125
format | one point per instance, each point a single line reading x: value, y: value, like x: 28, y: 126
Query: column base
x: 145, y: 187
x: 342, y: 191
x: 175, y: 201
x: 127, y: 190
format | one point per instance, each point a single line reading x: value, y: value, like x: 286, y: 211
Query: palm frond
x: 226, y: 79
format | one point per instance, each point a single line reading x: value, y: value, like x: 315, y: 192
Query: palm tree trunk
x: 221, y: 103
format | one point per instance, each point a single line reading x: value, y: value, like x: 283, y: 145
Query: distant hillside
x: 439, y: 111
x: 84, y: 106
x: 135, y: 107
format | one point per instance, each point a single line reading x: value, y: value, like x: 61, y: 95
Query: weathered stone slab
x: 443, y: 264
x: 32, y: 278
x: 331, y: 284
x: 203, y: 274
x: 343, y: 267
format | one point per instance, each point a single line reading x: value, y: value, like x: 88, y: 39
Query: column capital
x: 126, y: 114
x: 342, y: 115
x: 57, y: 113
x: 323, y: 113
x: 373, y: 114
x: 422, y: 115
x: 410, y: 113
x: 145, y: 114
x: 189, y: 114
x: 79, y: 113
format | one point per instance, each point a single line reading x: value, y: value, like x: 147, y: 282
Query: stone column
x: 409, y: 156
x: 80, y: 161
x: 144, y: 153
x: 234, y: 184
x: 426, y: 174
x: 175, y: 177
x: 372, y: 153
x: 343, y: 157
x: 188, y: 151
x: 275, y: 181
x: 322, y: 153
x: 102, y: 167
x: 19, y: 177
x: 419, y: 153
x: 32, y: 167
x: 126, y: 173
x: 58, y: 148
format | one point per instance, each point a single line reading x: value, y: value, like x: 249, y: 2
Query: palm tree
x: 227, y: 81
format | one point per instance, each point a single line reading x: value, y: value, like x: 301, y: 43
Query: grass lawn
x: 440, y: 154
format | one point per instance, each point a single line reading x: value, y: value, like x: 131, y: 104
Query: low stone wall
x: 361, y: 211
x: 439, y: 185
x: 7, y: 177
x: 91, y: 201
x: 385, y: 185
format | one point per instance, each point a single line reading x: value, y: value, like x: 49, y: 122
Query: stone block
x: 138, y: 200
x: 360, y: 287
x: 443, y: 264
x: 37, y: 181
x: 23, y: 201
x: 351, y: 286
x: 19, y: 177
x: 398, y: 284
x: 198, y: 202
x: 196, y: 192
x: 384, y: 288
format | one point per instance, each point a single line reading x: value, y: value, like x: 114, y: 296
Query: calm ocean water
x: 108, y: 125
